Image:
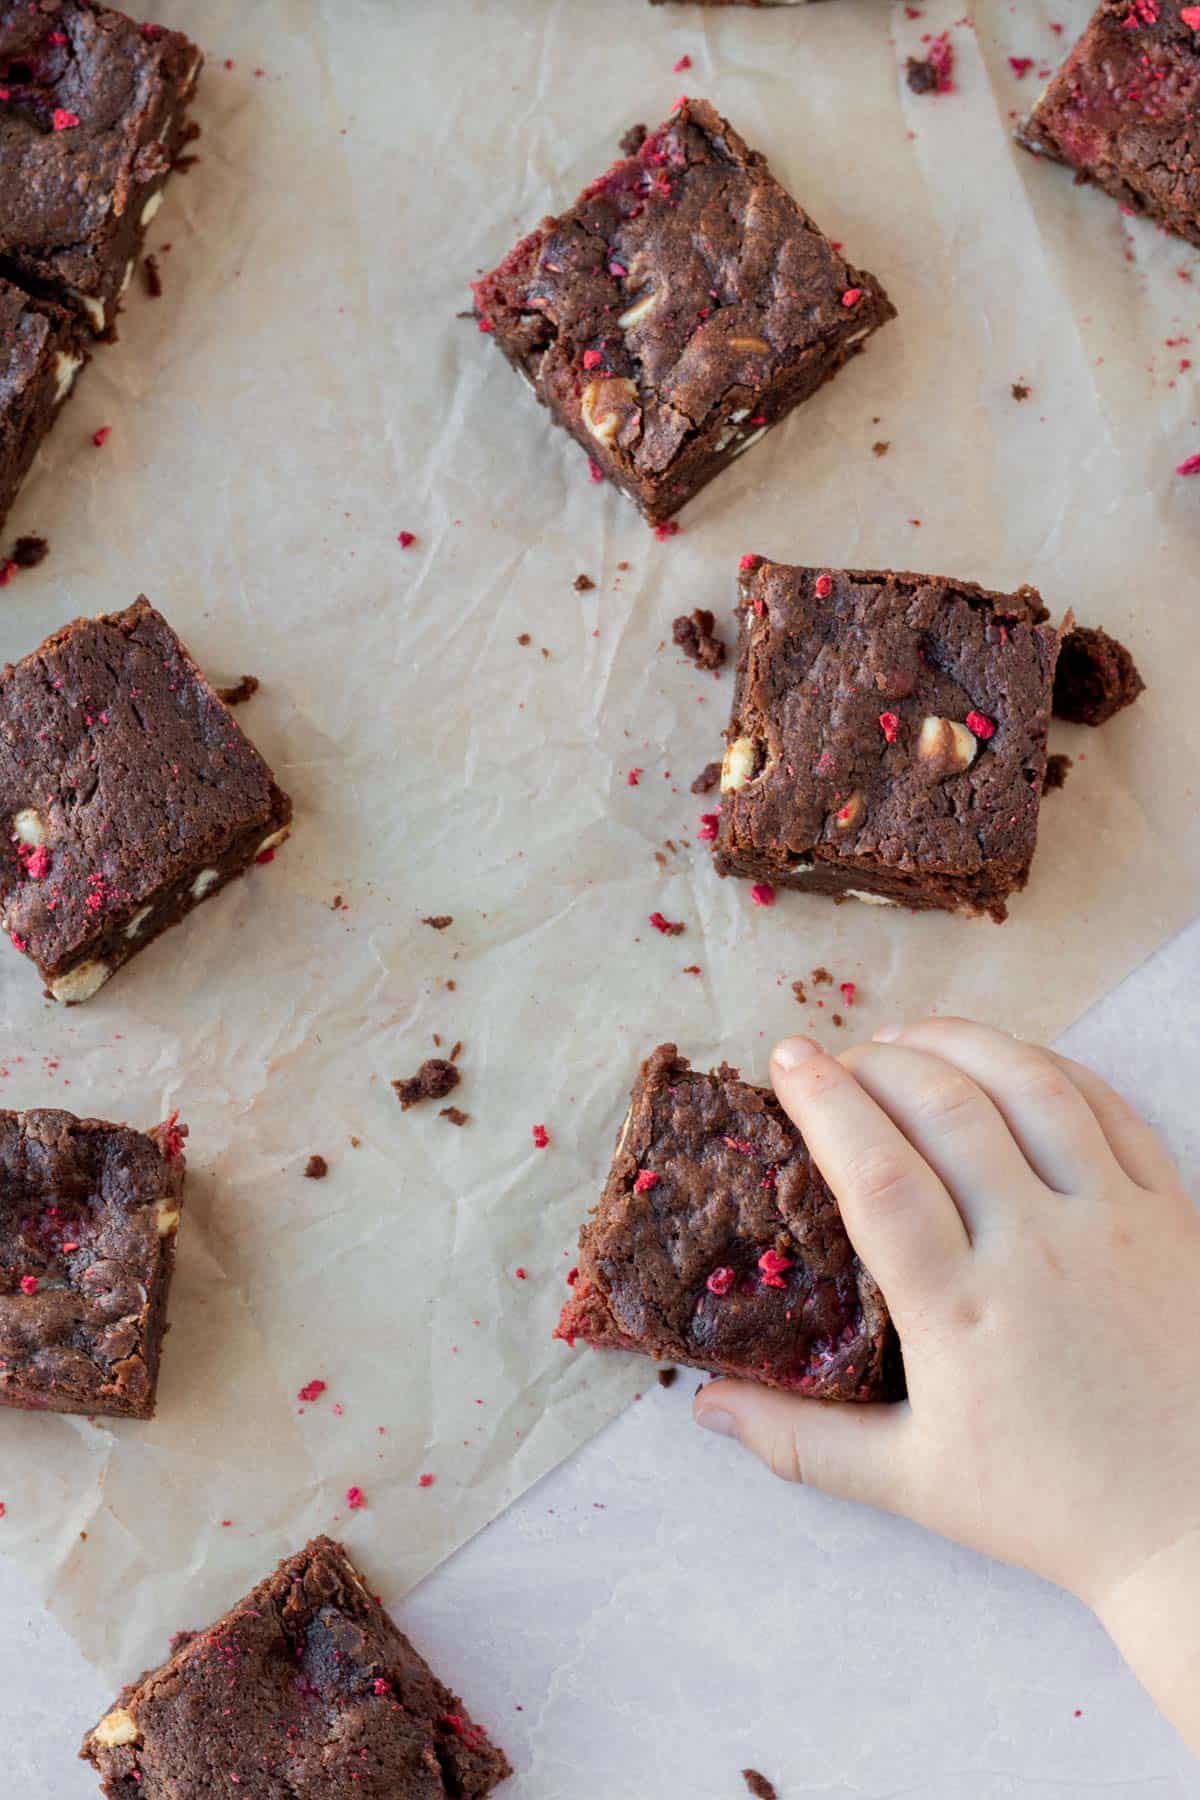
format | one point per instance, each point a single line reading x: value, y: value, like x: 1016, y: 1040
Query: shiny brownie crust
x: 682, y: 306
x: 718, y: 1244
x: 887, y: 738
x: 306, y: 1690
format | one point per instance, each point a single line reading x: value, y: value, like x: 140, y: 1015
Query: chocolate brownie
x: 717, y: 1244
x: 679, y: 309
x: 88, y: 1217
x: 1123, y: 110
x: 304, y: 1691
x: 888, y: 737
x: 1095, y: 678
x: 92, y: 114
x: 130, y: 793
x: 40, y: 356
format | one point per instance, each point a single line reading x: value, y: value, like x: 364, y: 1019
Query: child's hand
x: 1042, y: 1263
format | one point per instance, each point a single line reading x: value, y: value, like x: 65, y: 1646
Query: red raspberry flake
x: 669, y: 529
x: 668, y: 927
x: 646, y: 1179
x: 848, y: 991
x: 773, y: 1263
x: 426, y: 1481
x: 592, y: 359
x: 762, y: 894
x: 1191, y: 17
x: 981, y: 725
x: 3, y: 1509
x: 616, y: 268
x: 633, y: 777
x: 58, y: 37
x: 101, y: 437
x: 67, y: 1249
x: 64, y: 120
x: 152, y: 33
x: 1192, y: 464
x: 823, y: 586
x: 35, y: 859
x: 748, y: 561
x: 312, y: 1390
x: 355, y: 1499
x: 1020, y: 66
x: 379, y: 1686
x: 18, y: 942
x: 685, y: 62
x: 720, y: 1281
x: 266, y: 856
x: 172, y: 1134
x: 522, y: 1274
x: 743, y: 1146
x: 709, y: 824
x: 595, y: 472
x: 486, y: 325
x: 407, y: 539
x: 889, y: 724
x: 541, y: 1137
x: 29, y: 1284
x: 572, y: 1277
x: 8, y: 570
x: 852, y: 296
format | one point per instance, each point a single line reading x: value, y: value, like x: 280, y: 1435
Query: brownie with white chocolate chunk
x: 93, y: 112
x: 128, y: 794
x: 88, y: 1217
x: 41, y: 353
x: 678, y: 310
x: 888, y: 737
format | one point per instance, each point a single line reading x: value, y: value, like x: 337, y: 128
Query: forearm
x: 1153, y: 1617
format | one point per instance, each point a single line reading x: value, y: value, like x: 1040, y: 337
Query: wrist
x: 1153, y: 1616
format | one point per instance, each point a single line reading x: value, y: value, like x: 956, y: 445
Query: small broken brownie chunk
x: 128, y: 794
x: 88, y: 1217
x: 680, y: 308
x: 695, y: 636
x: 41, y: 353
x: 1122, y: 109
x: 92, y: 115
x: 305, y: 1689
x: 717, y: 1244
x: 888, y: 737
x: 433, y: 1081
x: 1096, y: 676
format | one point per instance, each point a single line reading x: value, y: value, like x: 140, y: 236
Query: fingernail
x: 715, y: 1418
x: 887, y: 1034
x: 792, y: 1052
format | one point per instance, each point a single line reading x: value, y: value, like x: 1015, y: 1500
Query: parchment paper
x: 302, y: 392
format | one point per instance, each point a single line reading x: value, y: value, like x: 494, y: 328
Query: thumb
x: 858, y: 1452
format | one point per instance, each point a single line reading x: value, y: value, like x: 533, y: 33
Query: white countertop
x: 659, y: 1613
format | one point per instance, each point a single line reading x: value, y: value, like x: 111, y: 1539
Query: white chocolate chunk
x: 870, y: 899
x: 29, y: 826
x: 138, y: 920
x: 166, y: 1215
x: 743, y: 412
x: 150, y: 210
x: 204, y: 883
x: 607, y: 405
x: 752, y: 439
x: 127, y: 277
x: 66, y: 368
x: 638, y: 311
x: 94, y: 309
x: 801, y: 868
x: 737, y: 766
x: 117, y: 1728
x: 945, y: 742
x: 81, y: 982
x: 269, y: 843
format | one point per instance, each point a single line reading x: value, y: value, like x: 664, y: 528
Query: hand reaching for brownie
x: 1041, y: 1259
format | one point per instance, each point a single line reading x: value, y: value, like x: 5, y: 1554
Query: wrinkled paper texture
x: 302, y: 393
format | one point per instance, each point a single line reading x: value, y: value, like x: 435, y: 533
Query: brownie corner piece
x: 92, y: 118
x: 1121, y: 110
x: 1096, y: 677
x: 89, y: 1213
x: 128, y: 795
x: 887, y: 739
x: 681, y: 307
x: 717, y: 1244
x: 304, y: 1688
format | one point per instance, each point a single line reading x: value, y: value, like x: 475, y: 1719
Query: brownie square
x: 304, y: 1691
x: 679, y: 309
x: 92, y: 115
x: 130, y: 795
x: 88, y: 1217
x: 718, y: 1244
x: 888, y: 737
x: 1122, y: 110
x: 41, y: 354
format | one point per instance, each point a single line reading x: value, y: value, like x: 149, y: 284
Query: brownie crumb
x: 668, y: 1377
x: 524, y: 640
x: 316, y: 1168
x: 632, y: 141
x: 838, y: 1019
x: 759, y: 1786
x: 694, y: 634
x: 882, y: 447
x: 1021, y: 390
x: 432, y: 1081
x: 152, y: 275
x: 708, y: 779
x: 242, y: 690
x: 821, y: 978
x: 1056, y: 773
x: 439, y: 921
x: 1096, y: 677
x: 28, y: 552
x: 455, y: 1114
x: 584, y: 584
x: 921, y: 76
x: 801, y: 992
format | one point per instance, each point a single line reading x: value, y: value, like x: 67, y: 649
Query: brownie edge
x: 717, y: 1243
